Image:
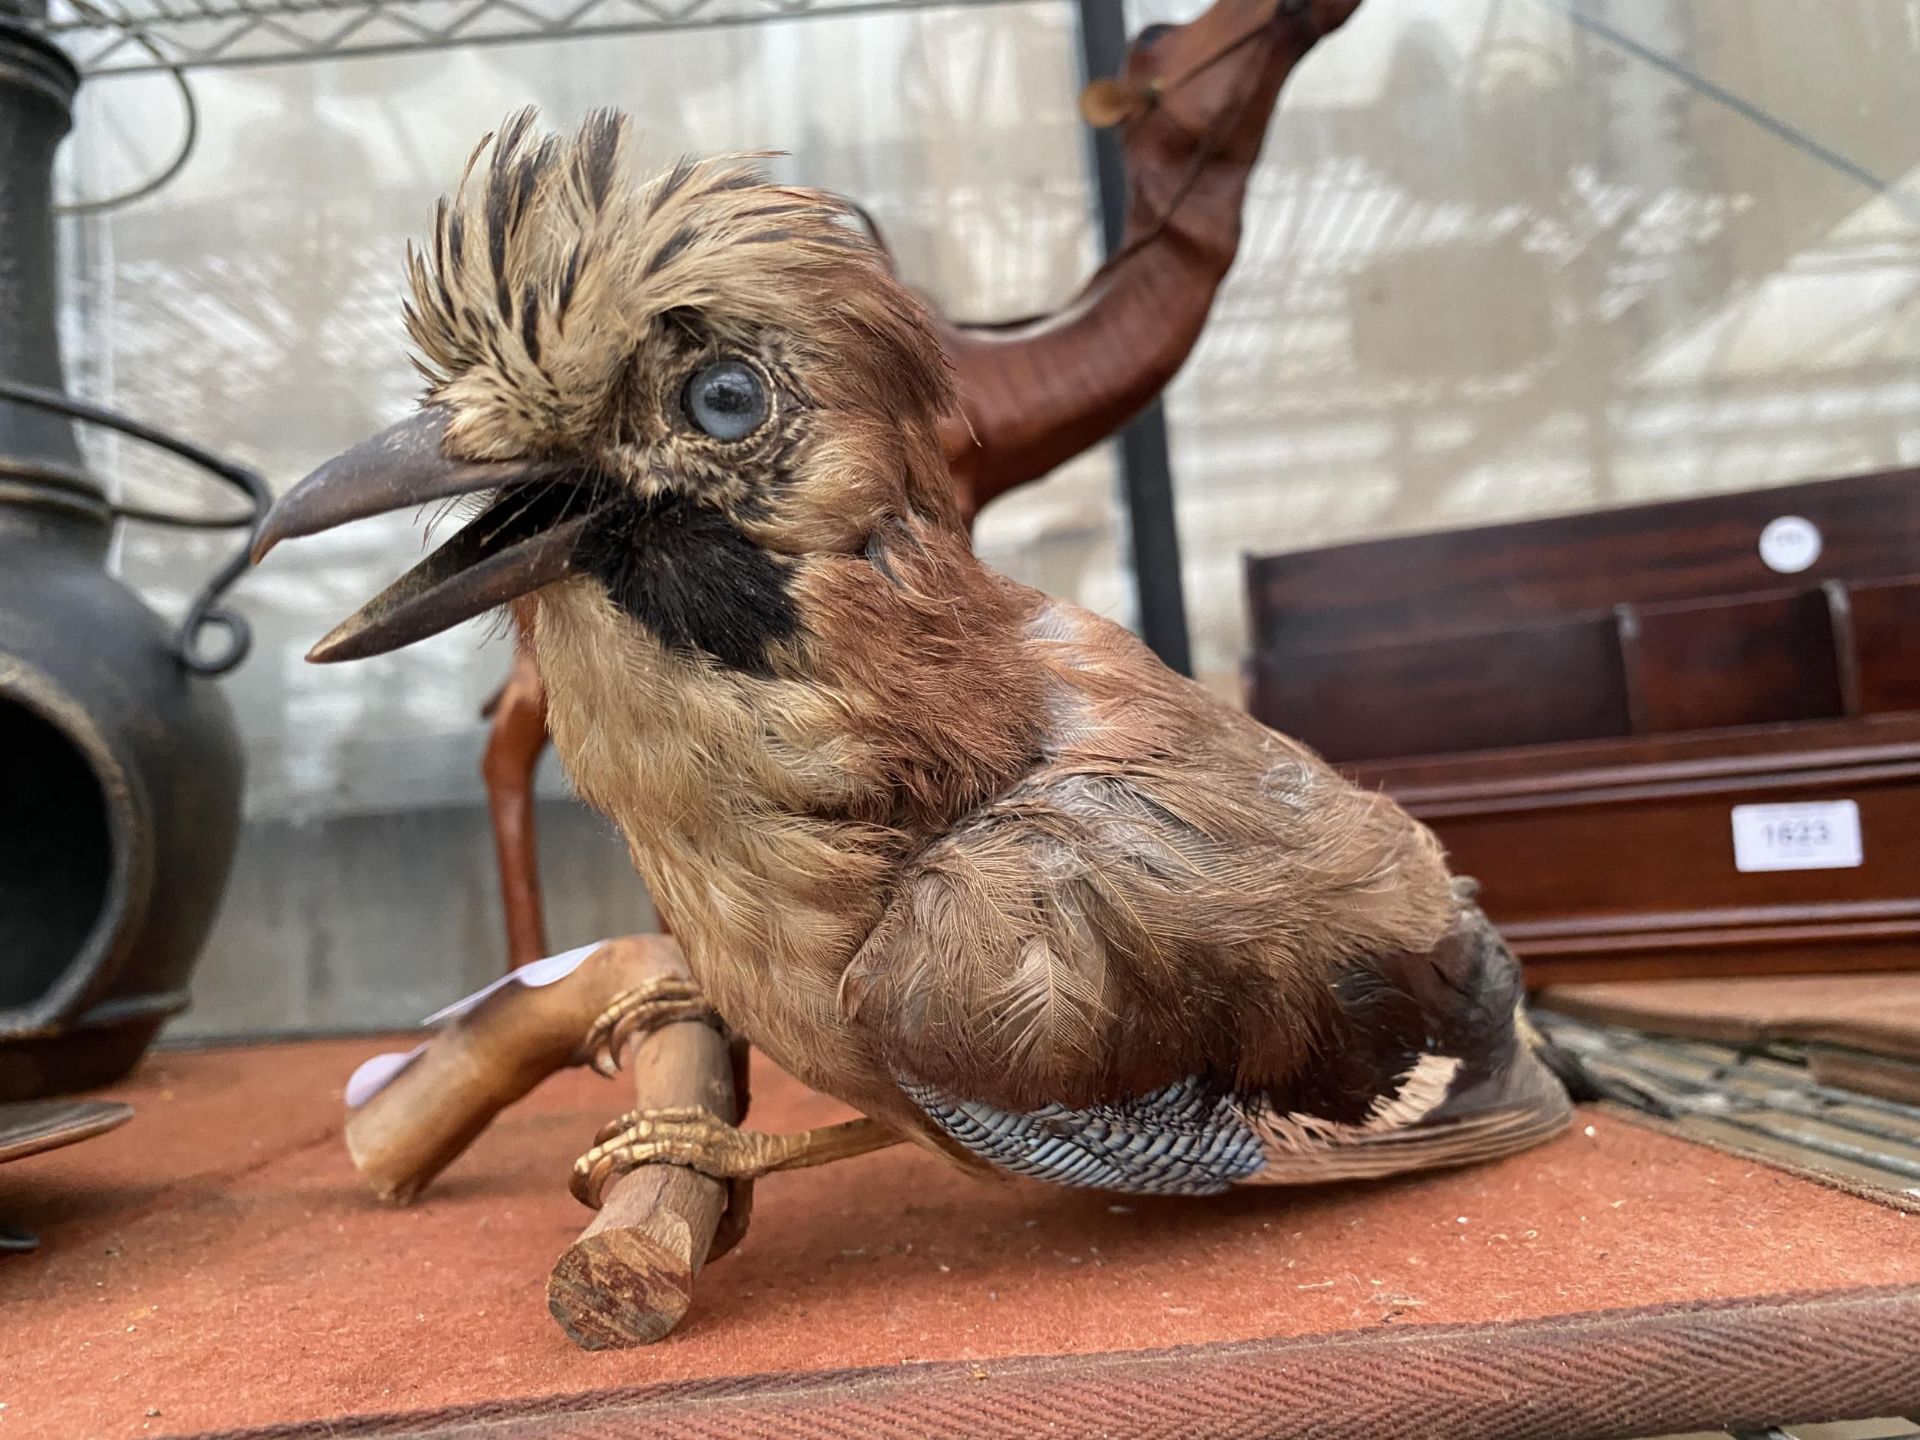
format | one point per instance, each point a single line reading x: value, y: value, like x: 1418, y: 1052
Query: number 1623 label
x: 1810, y: 835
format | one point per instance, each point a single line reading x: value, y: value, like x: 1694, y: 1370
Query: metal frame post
x: 1146, y: 470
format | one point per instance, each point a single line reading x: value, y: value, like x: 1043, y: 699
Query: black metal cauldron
x: 120, y: 766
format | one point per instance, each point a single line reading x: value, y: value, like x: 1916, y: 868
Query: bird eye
x: 725, y: 400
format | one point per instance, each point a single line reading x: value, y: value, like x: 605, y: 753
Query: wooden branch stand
x: 629, y: 1277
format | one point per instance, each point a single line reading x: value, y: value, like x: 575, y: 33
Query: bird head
x: 676, y: 388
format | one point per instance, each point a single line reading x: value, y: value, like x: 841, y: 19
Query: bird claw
x: 691, y: 1137
x: 665, y: 1000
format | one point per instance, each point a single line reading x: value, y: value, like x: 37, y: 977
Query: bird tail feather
x: 1525, y: 1106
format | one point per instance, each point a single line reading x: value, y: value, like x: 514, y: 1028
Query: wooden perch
x: 629, y: 1277
x: 483, y: 1061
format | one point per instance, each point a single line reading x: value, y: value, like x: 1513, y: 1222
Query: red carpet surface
x: 217, y: 1264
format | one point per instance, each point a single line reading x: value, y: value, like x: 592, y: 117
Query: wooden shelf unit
x: 1576, y: 704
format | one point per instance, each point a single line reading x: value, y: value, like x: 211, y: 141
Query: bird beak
x: 522, y: 541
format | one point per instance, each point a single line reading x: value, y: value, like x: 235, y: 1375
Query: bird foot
x: 693, y: 1138
x: 696, y: 1139
x: 665, y: 1000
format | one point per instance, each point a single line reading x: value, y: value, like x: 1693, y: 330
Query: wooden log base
x: 628, y: 1279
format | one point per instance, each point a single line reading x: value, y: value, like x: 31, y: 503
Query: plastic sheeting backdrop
x: 1505, y: 257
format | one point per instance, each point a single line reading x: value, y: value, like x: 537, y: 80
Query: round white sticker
x: 1789, y: 544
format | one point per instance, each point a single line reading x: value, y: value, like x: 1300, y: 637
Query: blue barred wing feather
x: 1183, y: 1139
x: 1191, y: 1138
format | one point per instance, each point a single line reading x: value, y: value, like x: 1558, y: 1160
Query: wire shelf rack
x: 139, y: 36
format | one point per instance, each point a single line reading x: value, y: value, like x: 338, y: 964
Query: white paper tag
x: 1810, y: 835
x: 533, y: 974
x: 1790, y: 544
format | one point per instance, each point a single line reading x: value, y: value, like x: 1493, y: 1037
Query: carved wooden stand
x: 629, y: 1277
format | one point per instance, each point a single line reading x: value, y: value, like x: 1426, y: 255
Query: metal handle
x: 205, y: 609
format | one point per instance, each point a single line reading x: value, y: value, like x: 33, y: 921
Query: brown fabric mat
x: 216, y: 1264
x: 1876, y: 1013
x: 1606, y: 1376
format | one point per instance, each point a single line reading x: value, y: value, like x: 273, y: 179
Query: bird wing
x: 1187, y: 938
x: 1171, y: 886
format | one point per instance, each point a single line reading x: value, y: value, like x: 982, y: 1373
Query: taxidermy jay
x: 970, y: 859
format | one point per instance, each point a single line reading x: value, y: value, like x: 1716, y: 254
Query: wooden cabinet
x: 1577, y: 706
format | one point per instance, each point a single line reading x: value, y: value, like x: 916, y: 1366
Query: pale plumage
x: 968, y: 858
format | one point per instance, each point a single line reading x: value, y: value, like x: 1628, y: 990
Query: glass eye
x: 725, y: 400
